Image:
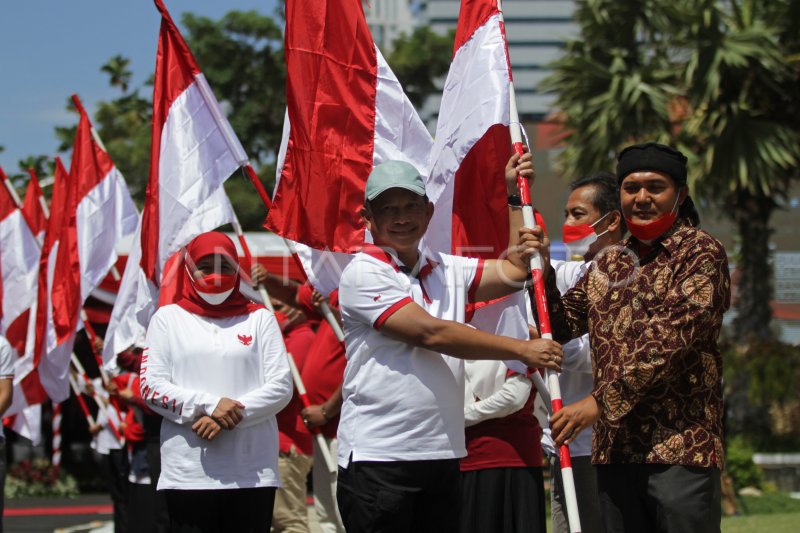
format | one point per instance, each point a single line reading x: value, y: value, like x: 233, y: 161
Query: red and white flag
x: 348, y: 113
x: 194, y: 150
x: 34, y: 207
x: 472, y: 147
x: 41, y: 333
x: 27, y: 423
x: 99, y: 213
x: 19, y: 263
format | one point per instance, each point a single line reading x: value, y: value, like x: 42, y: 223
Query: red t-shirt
x: 298, y: 340
x: 324, y: 369
x: 511, y: 441
x: 134, y: 430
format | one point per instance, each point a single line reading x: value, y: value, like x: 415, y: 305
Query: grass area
x: 772, y: 523
x: 768, y: 503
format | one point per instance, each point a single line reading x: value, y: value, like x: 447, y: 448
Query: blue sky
x: 50, y: 49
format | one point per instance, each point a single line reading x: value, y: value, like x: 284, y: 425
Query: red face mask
x: 654, y: 229
x: 214, y: 283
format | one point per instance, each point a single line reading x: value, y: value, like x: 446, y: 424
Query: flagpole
x: 298, y: 380
x: 324, y: 307
x: 251, y: 173
x: 543, y: 311
x: 55, y: 458
x: 11, y: 190
x: 321, y: 444
x: 81, y: 401
x: 79, y: 367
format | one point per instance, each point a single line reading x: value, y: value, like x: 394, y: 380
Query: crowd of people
x: 429, y: 429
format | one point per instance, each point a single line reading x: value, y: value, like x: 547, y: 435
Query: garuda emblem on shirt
x: 245, y: 339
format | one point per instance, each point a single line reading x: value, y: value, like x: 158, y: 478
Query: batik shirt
x: 653, y: 323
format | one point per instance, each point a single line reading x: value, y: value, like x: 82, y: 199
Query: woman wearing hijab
x: 215, y: 368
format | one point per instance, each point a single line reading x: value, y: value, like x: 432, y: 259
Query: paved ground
x: 87, y: 513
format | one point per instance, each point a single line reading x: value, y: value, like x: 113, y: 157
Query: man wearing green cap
x: 401, y: 430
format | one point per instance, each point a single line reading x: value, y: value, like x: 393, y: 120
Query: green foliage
x: 41, y: 164
x: 717, y: 78
x: 249, y: 207
x: 770, y: 503
x: 772, y: 369
x: 740, y: 466
x: 118, y: 72
x: 419, y: 59
x: 615, y: 82
x: 124, y: 125
x: 242, y: 57
x: 760, y: 376
x: 39, y: 478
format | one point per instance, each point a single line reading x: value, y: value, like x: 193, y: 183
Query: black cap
x: 653, y: 157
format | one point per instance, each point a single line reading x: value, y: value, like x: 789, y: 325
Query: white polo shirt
x: 401, y: 403
x: 190, y: 362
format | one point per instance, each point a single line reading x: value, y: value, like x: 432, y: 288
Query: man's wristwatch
x: 514, y: 200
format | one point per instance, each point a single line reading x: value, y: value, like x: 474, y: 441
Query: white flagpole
x: 565, y: 460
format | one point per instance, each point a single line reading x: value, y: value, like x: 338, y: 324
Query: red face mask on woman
x: 214, y: 287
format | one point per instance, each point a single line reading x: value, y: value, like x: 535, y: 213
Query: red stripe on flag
x: 7, y: 204
x: 472, y: 15
x: 175, y: 72
x: 32, y: 206
x: 90, y: 164
x: 32, y: 388
x: 480, y: 203
x: 58, y: 203
x: 17, y: 332
x: 331, y: 93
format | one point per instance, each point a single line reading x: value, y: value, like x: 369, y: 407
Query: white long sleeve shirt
x: 576, y: 378
x: 191, y: 362
x: 490, y: 394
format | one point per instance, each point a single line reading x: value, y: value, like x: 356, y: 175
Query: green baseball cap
x: 394, y: 174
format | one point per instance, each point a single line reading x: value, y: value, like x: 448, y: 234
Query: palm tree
x: 118, y: 71
x: 615, y: 82
x: 744, y: 134
x: 718, y: 78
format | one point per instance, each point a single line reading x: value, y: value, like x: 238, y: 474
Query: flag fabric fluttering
x: 16, y: 247
x: 347, y: 112
x: 472, y: 146
x: 26, y: 373
x: 99, y: 213
x: 194, y: 150
x: 19, y: 263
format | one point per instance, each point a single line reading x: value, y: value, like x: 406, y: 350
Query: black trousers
x: 115, y: 470
x: 220, y: 511
x: 399, y: 496
x: 503, y: 500
x: 659, y: 498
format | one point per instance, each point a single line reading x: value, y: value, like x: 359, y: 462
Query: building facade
x: 387, y: 19
x: 536, y: 31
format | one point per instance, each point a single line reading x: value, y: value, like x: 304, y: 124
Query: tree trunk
x: 754, y: 269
